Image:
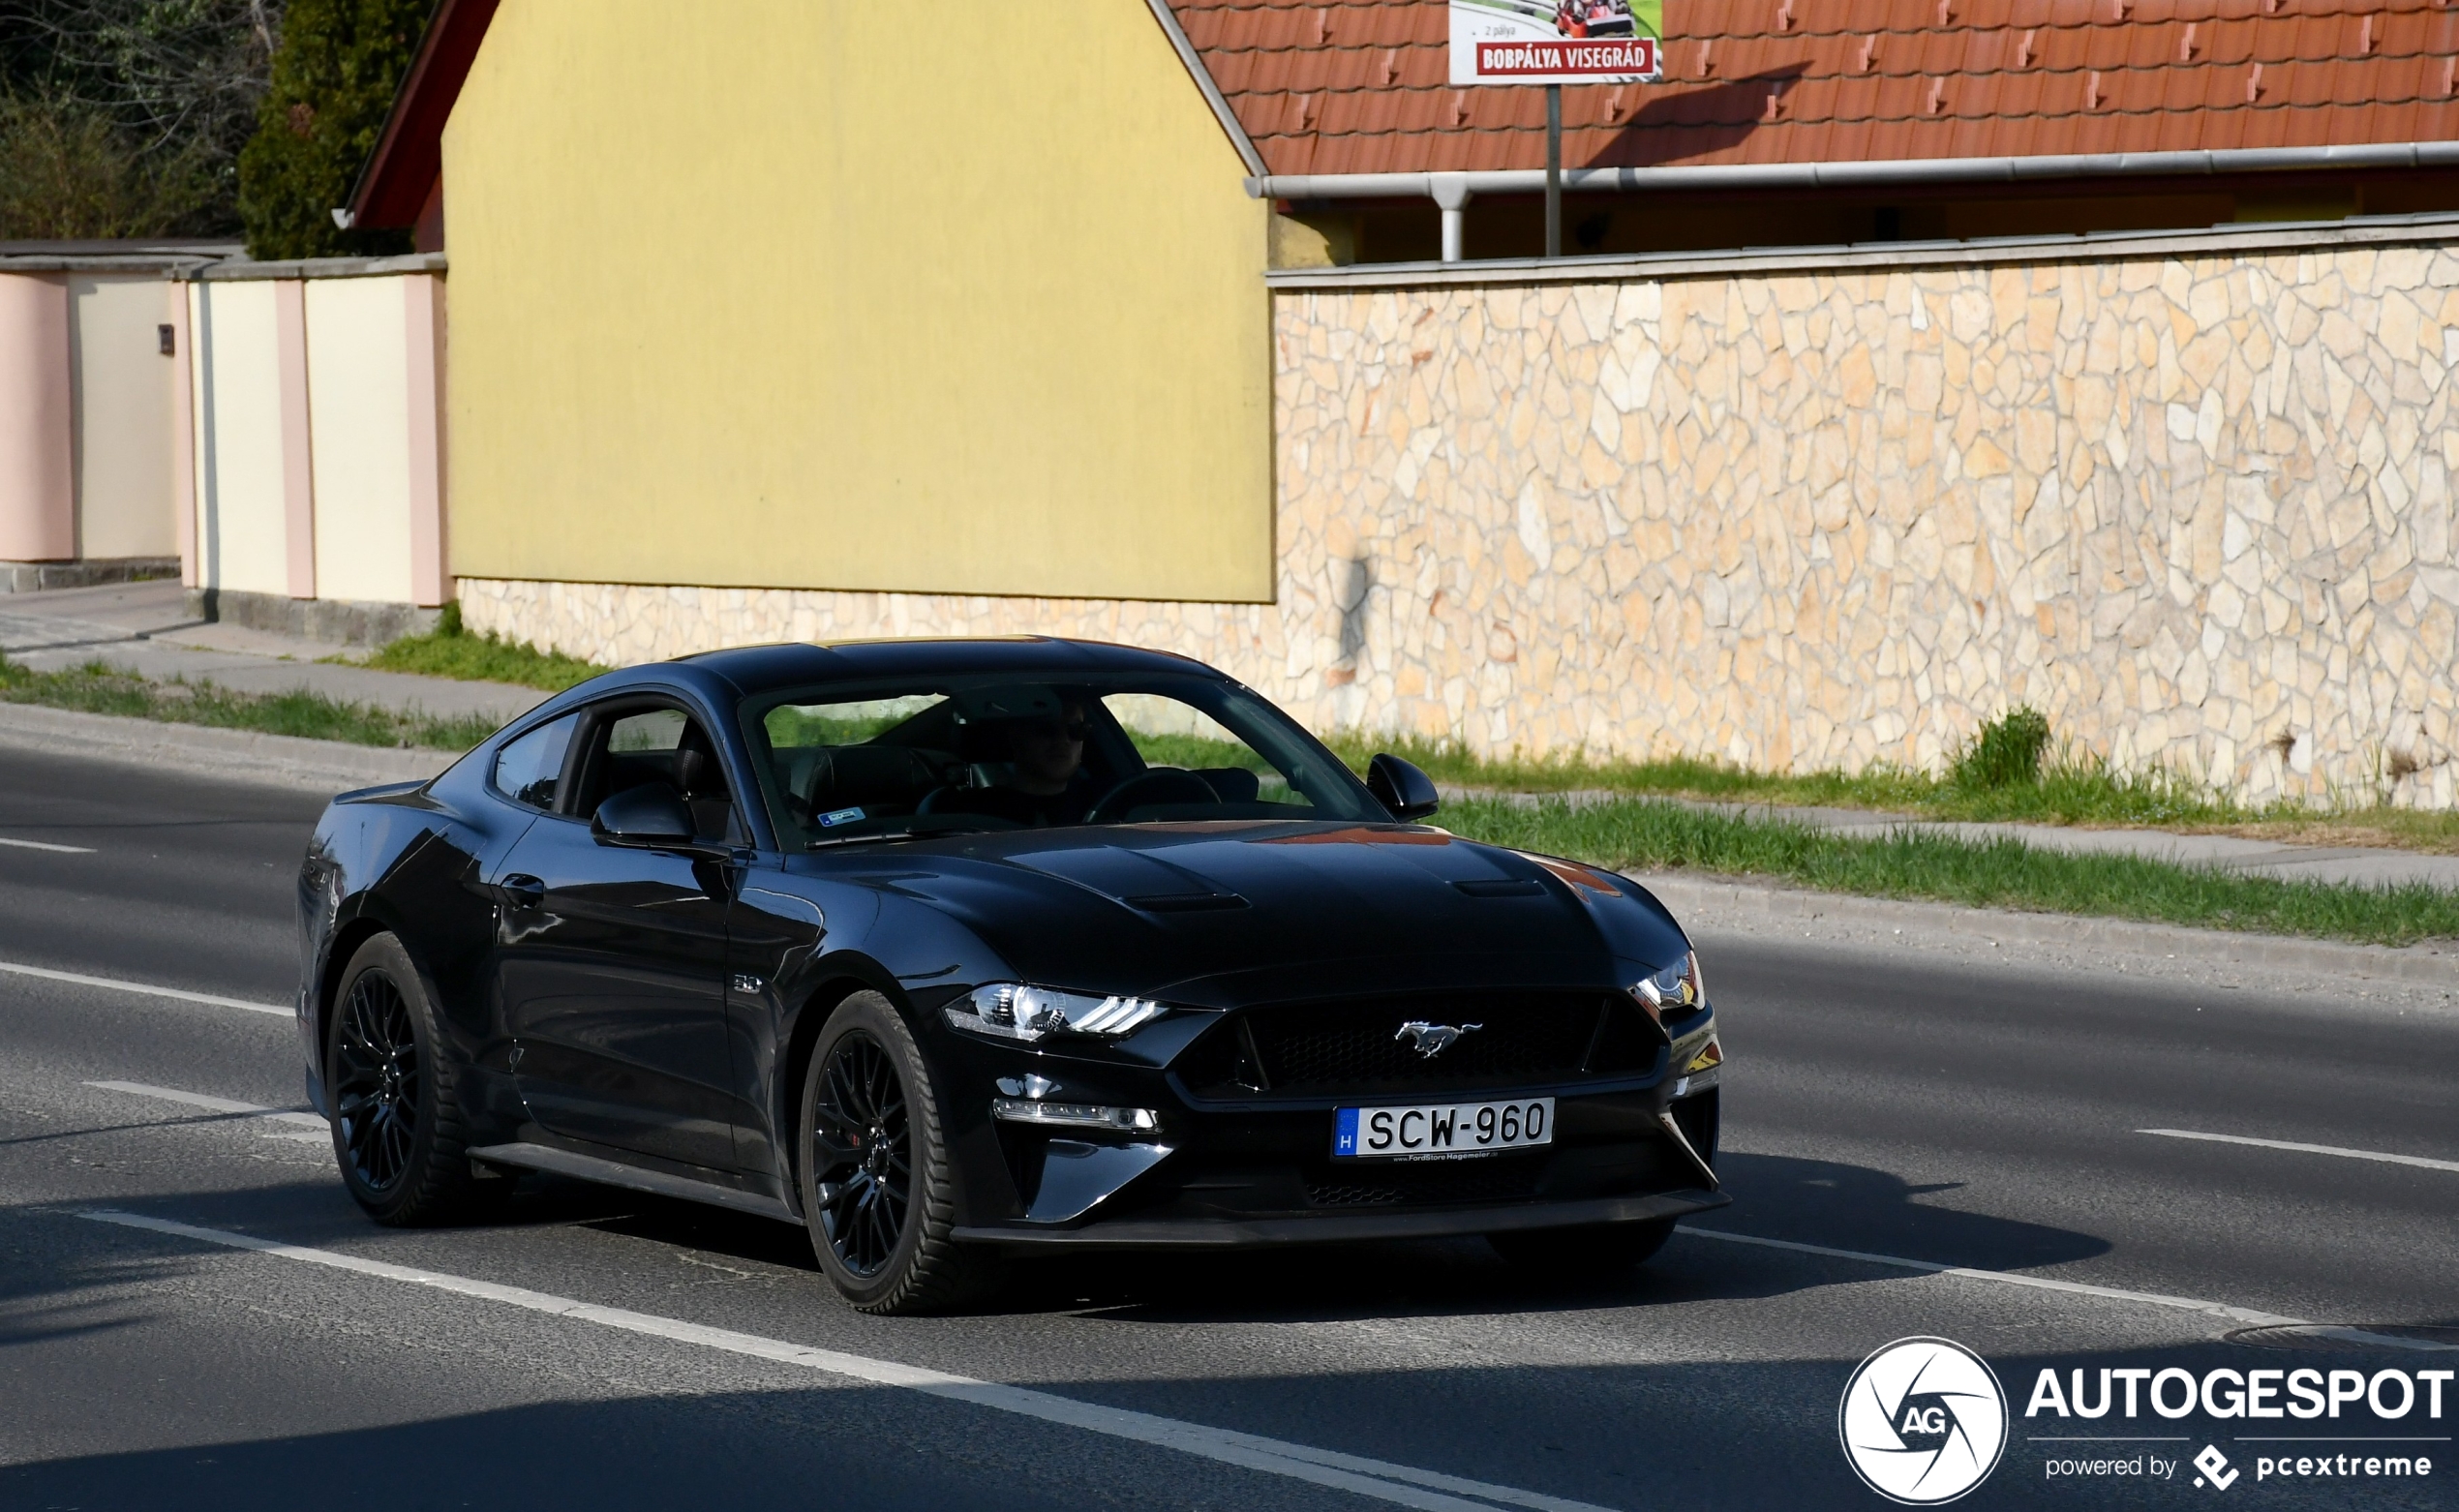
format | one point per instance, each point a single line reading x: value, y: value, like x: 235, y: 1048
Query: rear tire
x: 879, y: 1193
x: 1573, y: 1253
x: 399, y: 1132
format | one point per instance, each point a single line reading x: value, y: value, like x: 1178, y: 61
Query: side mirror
x: 1409, y: 794
x: 651, y: 816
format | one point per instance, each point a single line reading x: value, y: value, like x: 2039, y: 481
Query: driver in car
x: 1050, y: 786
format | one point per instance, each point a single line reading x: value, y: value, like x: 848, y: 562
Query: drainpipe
x: 1450, y: 191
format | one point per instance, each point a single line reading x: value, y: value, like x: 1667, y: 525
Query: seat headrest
x: 843, y: 776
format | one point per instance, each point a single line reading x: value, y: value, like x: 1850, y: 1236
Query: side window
x: 651, y: 730
x: 660, y: 745
x: 528, y: 769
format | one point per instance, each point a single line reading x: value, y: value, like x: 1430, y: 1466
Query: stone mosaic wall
x: 2195, y: 507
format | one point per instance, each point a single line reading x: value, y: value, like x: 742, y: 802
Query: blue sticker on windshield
x: 1344, y: 1132
x: 842, y: 816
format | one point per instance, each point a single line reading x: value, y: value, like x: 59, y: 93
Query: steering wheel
x: 1154, y: 785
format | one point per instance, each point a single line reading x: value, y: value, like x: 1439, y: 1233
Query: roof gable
x: 402, y: 171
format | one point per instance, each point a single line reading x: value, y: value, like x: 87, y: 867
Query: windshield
x: 949, y: 755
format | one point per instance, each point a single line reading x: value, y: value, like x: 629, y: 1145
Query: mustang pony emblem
x: 1432, y: 1039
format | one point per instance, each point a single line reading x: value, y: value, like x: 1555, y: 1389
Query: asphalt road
x: 1903, y: 1102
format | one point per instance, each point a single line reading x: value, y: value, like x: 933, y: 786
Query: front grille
x: 1414, y: 1182
x: 1356, y: 1048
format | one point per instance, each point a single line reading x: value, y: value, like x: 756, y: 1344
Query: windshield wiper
x: 906, y: 833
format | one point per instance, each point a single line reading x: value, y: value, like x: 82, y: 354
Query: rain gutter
x: 1452, y: 191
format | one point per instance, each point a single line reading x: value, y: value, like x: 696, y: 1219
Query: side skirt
x: 614, y: 1173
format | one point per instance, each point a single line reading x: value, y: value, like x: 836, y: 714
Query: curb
x: 2438, y: 964
x: 237, y: 755
x: 331, y: 767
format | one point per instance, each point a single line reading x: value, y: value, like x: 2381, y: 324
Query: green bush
x: 2007, y: 752
x: 334, y: 76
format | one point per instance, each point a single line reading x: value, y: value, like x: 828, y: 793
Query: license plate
x: 1441, y: 1129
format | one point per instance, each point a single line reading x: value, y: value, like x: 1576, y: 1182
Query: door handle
x: 523, y: 891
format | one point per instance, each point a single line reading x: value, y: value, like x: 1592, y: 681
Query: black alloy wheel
x: 398, y: 1130
x: 878, y: 1190
x: 863, y: 1150
x: 376, y: 1080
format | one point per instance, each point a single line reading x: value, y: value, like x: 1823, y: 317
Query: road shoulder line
x: 1400, y: 1484
x: 2340, y: 1151
x: 142, y: 988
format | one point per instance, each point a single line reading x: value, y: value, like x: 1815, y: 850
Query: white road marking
x: 147, y: 988
x: 2246, y: 1316
x: 1402, y: 1484
x: 2306, y: 1149
x: 271, y: 1115
x: 44, y: 845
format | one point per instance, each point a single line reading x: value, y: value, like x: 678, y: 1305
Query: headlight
x: 1009, y: 1011
x: 1677, y: 990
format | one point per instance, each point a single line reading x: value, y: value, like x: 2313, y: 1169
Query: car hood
x: 1240, y: 912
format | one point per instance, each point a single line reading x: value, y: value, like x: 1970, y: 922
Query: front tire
x: 397, y: 1127
x: 878, y: 1188
x: 1595, y: 1250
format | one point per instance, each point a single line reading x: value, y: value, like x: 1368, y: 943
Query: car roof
x: 755, y: 669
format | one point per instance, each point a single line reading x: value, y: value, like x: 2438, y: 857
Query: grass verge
x: 450, y: 651
x: 99, y: 688
x: 1640, y: 835
x: 2068, y: 790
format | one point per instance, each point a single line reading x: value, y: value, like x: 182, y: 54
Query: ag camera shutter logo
x: 1923, y: 1421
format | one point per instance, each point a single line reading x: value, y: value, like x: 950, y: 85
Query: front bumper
x: 1214, y: 1172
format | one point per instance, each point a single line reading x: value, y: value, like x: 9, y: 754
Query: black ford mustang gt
x: 953, y: 950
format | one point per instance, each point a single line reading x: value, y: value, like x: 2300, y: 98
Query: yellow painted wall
x: 776, y: 293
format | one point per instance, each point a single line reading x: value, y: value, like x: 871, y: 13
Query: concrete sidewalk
x: 2359, y: 865
x: 144, y: 628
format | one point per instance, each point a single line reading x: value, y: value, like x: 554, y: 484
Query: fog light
x: 1075, y: 1116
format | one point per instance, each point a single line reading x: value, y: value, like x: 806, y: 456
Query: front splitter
x: 1128, y: 1233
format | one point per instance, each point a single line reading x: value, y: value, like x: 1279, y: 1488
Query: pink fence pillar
x: 38, y: 486
x: 423, y: 298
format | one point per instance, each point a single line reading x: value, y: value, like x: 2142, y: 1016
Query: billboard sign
x: 1556, y: 41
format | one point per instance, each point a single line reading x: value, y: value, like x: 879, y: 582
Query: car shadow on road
x: 1805, y: 1201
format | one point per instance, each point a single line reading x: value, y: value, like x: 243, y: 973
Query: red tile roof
x: 1361, y: 86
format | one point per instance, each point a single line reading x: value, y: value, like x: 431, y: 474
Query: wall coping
x: 246, y: 269
x: 2094, y: 246
x: 166, y: 264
